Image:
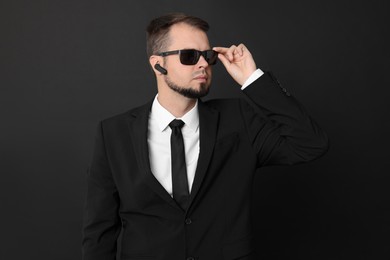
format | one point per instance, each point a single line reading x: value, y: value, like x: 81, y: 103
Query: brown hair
x: 157, y: 37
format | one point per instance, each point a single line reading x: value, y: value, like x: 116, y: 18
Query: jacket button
x: 188, y: 221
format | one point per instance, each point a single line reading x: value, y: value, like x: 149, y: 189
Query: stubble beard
x: 188, y: 92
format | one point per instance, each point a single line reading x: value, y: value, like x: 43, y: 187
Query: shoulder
x: 127, y: 115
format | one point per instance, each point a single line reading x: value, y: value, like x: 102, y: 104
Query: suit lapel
x: 208, y: 124
x: 138, y: 127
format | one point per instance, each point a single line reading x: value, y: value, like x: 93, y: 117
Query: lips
x: 202, y: 77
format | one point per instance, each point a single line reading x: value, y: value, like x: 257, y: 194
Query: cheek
x: 182, y: 76
x: 210, y: 74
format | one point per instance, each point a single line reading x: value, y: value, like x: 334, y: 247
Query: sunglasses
x: 191, y: 57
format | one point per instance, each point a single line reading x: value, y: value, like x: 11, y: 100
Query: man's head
x: 179, y: 44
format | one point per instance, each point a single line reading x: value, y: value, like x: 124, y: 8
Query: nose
x: 202, y: 63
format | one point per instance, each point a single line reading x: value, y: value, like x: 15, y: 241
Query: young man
x: 175, y: 175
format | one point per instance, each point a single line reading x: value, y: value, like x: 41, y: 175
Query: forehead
x: 184, y: 36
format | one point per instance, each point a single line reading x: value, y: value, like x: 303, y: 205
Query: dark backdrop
x: 65, y: 65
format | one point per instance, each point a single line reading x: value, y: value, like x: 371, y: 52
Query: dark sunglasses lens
x: 211, y: 57
x: 189, y: 57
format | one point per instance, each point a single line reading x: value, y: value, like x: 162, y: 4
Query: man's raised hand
x: 238, y: 62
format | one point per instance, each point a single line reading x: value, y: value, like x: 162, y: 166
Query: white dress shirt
x: 159, y: 140
x: 255, y: 75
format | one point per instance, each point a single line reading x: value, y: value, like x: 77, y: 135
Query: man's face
x: 192, y: 81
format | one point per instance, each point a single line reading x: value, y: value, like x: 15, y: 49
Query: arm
x: 283, y: 133
x: 101, y: 225
x: 278, y: 126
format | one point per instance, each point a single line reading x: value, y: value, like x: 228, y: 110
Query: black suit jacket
x: 236, y: 138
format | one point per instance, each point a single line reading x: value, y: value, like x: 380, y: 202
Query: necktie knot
x: 176, y: 123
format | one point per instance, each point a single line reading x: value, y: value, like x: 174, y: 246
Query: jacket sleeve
x: 101, y: 223
x: 279, y: 128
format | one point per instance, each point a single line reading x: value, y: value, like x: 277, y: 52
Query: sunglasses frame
x: 198, y: 54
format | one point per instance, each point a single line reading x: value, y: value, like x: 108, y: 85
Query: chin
x: 198, y: 91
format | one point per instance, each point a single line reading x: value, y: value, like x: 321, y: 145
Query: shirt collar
x: 163, y: 117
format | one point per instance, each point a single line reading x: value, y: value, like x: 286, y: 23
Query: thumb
x: 224, y: 60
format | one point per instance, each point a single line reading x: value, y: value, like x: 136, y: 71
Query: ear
x: 153, y: 60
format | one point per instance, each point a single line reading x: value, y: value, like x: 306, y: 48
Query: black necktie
x: 179, y: 170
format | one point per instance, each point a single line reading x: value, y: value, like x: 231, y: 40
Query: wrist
x: 254, y: 76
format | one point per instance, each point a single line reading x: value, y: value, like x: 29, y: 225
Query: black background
x: 65, y: 65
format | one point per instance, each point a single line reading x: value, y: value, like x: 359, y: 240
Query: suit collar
x: 138, y: 128
x: 208, y: 126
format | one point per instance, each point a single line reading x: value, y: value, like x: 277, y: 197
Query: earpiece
x: 160, y: 69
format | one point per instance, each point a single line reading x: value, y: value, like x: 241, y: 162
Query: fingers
x: 231, y: 53
x: 223, y: 51
x: 238, y: 61
x: 224, y: 60
x: 239, y: 50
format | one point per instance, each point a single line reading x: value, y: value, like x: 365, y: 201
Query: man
x: 197, y: 207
